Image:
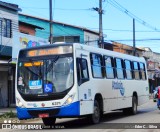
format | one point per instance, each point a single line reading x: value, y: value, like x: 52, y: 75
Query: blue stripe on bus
x: 22, y: 113
x: 69, y: 110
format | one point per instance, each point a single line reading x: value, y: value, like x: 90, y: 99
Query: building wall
x: 4, y: 87
x: 58, y: 29
x: 27, y: 29
x: 6, y: 45
x: 13, y: 16
x: 91, y: 39
x: 126, y: 49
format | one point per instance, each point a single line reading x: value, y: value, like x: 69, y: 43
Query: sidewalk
x: 4, y: 110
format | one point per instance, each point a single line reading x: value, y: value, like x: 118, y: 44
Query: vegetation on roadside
x: 8, y: 115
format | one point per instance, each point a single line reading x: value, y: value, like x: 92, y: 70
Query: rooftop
x: 10, y: 6
x: 61, y: 23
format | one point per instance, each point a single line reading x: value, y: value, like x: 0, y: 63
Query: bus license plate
x: 43, y: 115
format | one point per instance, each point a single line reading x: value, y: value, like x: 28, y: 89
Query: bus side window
x: 142, y: 71
x: 119, y: 66
x: 82, y: 71
x: 136, y: 70
x: 128, y: 69
x: 96, y: 65
x: 109, y: 67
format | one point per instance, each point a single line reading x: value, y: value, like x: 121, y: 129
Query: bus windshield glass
x: 45, y: 76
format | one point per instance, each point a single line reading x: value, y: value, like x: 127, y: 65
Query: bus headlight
x: 19, y: 103
x: 69, y: 100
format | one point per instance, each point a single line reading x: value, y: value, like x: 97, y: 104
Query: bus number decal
x: 36, y: 84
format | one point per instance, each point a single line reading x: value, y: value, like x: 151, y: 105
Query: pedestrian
x: 158, y: 97
x: 157, y: 77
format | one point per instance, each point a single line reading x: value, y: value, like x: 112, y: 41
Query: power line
x: 147, y: 39
x: 65, y: 9
x: 124, y: 30
x: 124, y: 10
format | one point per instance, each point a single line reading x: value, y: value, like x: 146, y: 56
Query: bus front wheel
x: 49, y: 121
x: 95, y: 117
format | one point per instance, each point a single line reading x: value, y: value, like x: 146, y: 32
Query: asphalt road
x: 145, y: 120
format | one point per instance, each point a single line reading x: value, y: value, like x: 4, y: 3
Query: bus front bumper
x: 72, y: 110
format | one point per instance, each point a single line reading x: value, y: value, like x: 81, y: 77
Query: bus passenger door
x: 83, y: 82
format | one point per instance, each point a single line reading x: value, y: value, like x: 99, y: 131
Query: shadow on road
x: 84, y: 123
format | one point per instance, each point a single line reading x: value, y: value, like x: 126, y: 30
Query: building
x: 62, y: 32
x: 27, y: 28
x: 126, y: 49
x: 153, y: 62
x: 8, y: 24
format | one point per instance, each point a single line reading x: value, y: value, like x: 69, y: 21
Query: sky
x: 117, y: 18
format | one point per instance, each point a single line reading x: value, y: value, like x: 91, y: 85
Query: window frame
x: 112, y: 66
x: 122, y: 67
x: 101, y: 63
x: 144, y: 70
x: 81, y: 80
x: 136, y: 70
x: 7, y: 28
x: 131, y: 70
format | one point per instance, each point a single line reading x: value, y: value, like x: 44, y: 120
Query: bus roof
x: 91, y: 49
x: 109, y: 53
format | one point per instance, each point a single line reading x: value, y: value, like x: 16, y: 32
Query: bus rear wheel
x: 95, y: 117
x: 49, y: 121
x: 133, y: 109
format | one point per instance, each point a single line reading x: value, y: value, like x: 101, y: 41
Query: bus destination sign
x: 50, y: 51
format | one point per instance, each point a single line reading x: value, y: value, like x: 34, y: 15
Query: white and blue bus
x: 75, y: 80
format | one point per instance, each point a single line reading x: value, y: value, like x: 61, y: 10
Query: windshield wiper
x: 35, y: 69
x: 50, y: 67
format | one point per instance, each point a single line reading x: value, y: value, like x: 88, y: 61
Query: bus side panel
x: 145, y: 96
x: 86, y: 107
x: 131, y: 86
x: 109, y: 94
x: 125, y: 97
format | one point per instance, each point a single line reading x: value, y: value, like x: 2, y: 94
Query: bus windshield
x: 45, y: 76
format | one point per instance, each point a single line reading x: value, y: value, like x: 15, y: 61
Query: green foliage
x: 8, y: 115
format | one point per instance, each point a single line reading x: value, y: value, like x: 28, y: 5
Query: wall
x: 3, y: 87
x: 91, y: 39
x: 25, y: 41
x: 13, y: 16
x: 27, y: 29
x: 6, y: 45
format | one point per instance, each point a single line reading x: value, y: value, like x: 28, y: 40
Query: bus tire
x: 133, y: 109
x: 49, y: 121
x: 95, y: 117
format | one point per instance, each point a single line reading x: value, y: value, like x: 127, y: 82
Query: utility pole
x: 51, y: 20
x: 100, y: 25
x: 134, y: 43
x: 100, y: 11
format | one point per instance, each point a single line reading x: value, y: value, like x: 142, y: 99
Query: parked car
x: 155, y: 94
